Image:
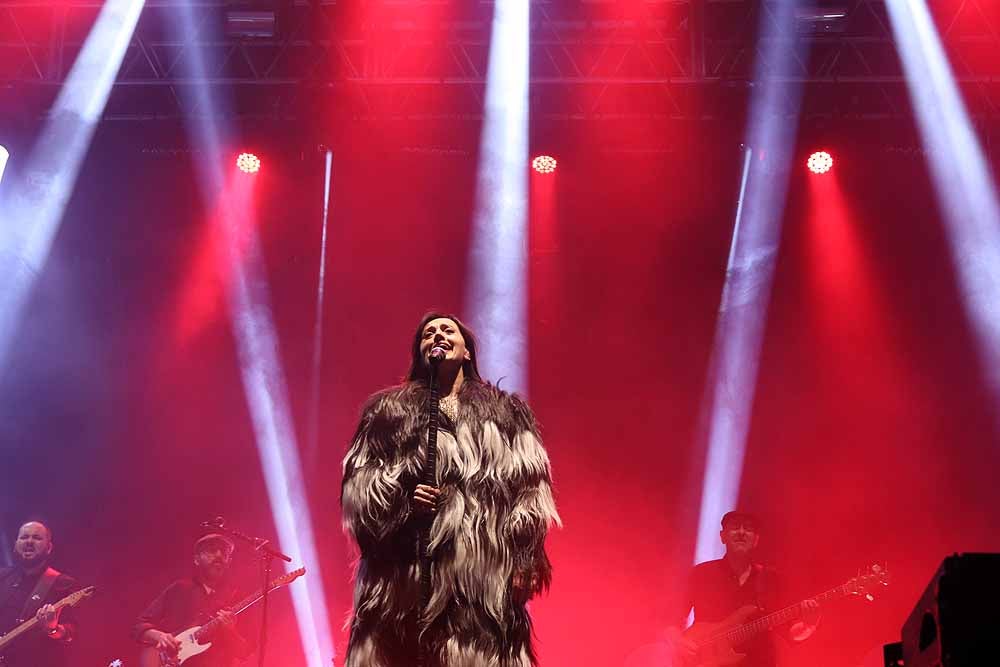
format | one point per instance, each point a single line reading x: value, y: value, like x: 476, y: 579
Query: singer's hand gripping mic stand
x: 429, y: 478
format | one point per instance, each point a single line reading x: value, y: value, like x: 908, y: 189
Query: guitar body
x: 190, y: 647
x: 718, y: 653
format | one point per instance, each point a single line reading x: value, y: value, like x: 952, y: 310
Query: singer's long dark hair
x: 418, y: 366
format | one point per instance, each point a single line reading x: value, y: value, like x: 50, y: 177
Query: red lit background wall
x: 873, y: 437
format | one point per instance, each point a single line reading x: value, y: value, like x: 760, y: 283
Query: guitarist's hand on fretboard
x: 48, y: 619
x: 227, y: 620
x: 810, y: 612
x: 803, y: 628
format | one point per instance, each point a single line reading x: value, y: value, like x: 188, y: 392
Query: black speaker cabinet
x: 892, y: 655
x: 956, y: 623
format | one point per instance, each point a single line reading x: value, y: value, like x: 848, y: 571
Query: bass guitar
x: 716, y: 643
x: 197, y: 639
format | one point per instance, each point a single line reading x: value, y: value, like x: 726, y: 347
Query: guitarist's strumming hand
x: 683, y: 649
x: 162, y: 641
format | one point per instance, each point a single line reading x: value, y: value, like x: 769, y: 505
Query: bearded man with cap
x: 29, y: 589
x: 717, y: 588
x: 195, y: 601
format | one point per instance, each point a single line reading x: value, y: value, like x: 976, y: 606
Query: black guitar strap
x: 760, y: 586
x: 37, y: 597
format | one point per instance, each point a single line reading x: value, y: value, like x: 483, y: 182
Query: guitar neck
x: 237, y: 609
x: 780, y: 617
x: 17, y: 632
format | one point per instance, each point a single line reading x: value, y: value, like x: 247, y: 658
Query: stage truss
x: 591, y: 60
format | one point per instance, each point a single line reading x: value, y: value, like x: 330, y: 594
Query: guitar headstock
x: 76, y: 598
x: 288, y: 578
x: 867, y: 580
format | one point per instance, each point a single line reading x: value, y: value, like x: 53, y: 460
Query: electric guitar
x: 195, y: 640
x: 70, y: 600
x: 716, y: 642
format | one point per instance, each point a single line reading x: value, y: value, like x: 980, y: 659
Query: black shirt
x: 714, y: 591
x: 186, y: 604
x: 35, y: 648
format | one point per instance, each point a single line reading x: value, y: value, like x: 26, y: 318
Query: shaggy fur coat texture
x: 495, y: 509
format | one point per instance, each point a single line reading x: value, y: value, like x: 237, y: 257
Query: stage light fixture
x: 544, y: 164
x: 248, y: 23
x: 248, y: 163
x: 822, y: 18
x: 820, y: 162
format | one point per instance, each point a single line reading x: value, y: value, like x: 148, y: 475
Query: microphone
x: 217, y: 522
x: 437, y: 356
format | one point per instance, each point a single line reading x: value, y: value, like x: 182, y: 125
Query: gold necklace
x: 449, y: 406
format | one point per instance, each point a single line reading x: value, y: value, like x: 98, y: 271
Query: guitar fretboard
x: 747, y: 631
x: 248, y: 602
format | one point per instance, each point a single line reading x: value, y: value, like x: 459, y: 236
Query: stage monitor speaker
x: 955, y: 622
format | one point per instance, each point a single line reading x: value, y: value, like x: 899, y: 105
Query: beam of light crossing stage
x: 317, y: 362
x: 32, y: 211
x: 257, y: 344
x: 4, y: 157
x: 498, y: 263
x: 732, y: 376
x: 962, y: 177
x: 267, y: 397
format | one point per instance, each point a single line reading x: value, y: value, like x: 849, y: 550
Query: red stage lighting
x: 544, y: 164
x: 820, y: 162
x: 248, y: 163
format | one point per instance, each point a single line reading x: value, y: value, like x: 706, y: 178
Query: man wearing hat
x: 195, y: 601
x: 718, y: 588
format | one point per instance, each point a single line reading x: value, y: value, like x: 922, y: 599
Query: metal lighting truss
x: 596, y: 59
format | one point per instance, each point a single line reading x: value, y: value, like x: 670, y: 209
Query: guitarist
x: 718, y: 588
x: 28, y: 590
x: 195, y: 601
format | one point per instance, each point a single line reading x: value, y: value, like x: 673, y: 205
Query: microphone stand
x: 428, y: 477
x: 267, y: 554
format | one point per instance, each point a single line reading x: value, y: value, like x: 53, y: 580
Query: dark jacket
x: 36, y: 648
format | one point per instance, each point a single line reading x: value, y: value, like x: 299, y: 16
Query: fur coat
x: 495, y: 509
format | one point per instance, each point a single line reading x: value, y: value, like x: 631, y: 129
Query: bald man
x: 29, y: 589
